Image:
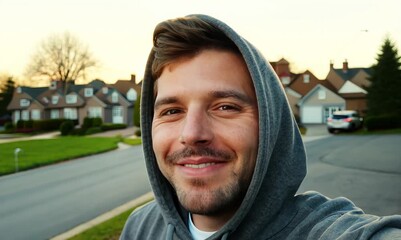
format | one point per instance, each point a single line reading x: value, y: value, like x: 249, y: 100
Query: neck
x: 210, y: 223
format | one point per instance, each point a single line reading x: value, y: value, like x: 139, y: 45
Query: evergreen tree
x: 137, y: 114
x: 6, y: 94
x: 384, y: 91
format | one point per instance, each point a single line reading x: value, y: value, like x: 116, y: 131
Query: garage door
x: 311, y: 114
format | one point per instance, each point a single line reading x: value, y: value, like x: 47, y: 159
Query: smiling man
x: 223, y: 152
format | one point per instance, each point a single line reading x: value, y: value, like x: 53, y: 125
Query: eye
x: 228, y: 107
x: 170, y: 112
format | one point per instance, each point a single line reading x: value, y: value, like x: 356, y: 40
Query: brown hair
x: 185, y: 37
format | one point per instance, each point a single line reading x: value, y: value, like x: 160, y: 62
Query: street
x: 41, y: 203
x: 365, y: 169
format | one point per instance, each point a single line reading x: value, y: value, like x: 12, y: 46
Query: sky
x: 308, y: 33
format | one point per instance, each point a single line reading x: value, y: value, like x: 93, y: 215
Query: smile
x: 202, y: 165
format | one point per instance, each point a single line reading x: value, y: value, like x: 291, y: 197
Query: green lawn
x: 109, y: 230
x: 36, y: 153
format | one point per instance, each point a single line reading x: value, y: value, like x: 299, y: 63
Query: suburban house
x: 114, y: 103
x: 313, y: 100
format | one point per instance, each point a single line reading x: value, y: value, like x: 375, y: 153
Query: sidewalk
x: 126, y: 132
x: 315, y: 132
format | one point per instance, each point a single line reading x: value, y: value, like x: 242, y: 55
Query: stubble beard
x: 199, y: 199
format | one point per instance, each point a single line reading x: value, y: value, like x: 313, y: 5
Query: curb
x: 104, y: 217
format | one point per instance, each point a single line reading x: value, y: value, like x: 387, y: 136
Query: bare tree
x: 61, y: 57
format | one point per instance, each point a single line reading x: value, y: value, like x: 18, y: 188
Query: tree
x: 384, y: 91
x: 61, y: 57
x: 137, y: 112
x: 6, y: 94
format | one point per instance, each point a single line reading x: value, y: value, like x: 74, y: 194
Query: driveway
x: 315, y: 132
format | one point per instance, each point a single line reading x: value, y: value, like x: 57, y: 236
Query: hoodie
x: 270, y: 209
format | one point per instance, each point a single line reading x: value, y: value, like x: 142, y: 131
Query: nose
x: 196, y: 129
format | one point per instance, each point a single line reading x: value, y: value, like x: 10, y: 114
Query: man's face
x: 205, y: 130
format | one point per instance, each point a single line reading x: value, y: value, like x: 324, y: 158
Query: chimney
x: 331, y: 65
x: 133, y: 77
x: 345, y: 66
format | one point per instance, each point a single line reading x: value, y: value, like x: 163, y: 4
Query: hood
x: 280, y: 165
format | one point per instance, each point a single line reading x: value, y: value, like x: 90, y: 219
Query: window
x: 285, y: 80
x: 88, y: 92
x: 17, y: 116
x: 19, y: 90
x: 322, y: 94
x: 105, y: 90
x: 95, y: 112
x: 24, y: 102
x: 25, y: 115
x: 131, y: 95
x: 35, y: 114
x: 114, y: 97
x: 55, y: 99
x: 70, y: 113
x: 71, y: 98
x: 54, y: 114
x: 306, y: 78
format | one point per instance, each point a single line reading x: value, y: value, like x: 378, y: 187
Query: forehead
x: 210, y: 69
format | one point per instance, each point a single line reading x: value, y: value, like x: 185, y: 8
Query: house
x: 313, y: 100
x: 351, y: 84
x: 114, y: 103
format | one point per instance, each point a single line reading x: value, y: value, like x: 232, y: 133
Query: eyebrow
x: 165, y: 101
x: 215, y: 94
x: 232, y: 94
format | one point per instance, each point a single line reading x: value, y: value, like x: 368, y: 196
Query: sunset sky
x: 308, y: 33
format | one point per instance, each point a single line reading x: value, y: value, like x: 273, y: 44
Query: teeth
x: 202, y: 165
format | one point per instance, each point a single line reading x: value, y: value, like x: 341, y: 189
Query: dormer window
x: 19, y: 90
x: 88, y: 92
x: 55, y: 99
x: 71, y: 99
x: 105, y: 90
x: 306, y: 78
x: 114, y: 97
x: 131, y: 95
x: 322, y: 94
x: 53, y: 85
x: 24, y: 102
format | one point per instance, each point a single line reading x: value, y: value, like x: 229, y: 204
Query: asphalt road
x: 365, y: 169
x: 44, y: 202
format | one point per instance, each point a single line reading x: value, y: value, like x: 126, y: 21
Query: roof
x: 351, y: 72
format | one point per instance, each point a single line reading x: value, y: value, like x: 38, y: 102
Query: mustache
x: 199, y: 152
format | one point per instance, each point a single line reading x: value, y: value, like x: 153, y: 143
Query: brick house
x: 114, y: 103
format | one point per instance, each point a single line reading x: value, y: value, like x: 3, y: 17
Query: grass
x: 36, y: 153
x: 108, y: 230
x: 132, y: 141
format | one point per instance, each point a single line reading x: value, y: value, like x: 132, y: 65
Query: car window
x: 340, y: 116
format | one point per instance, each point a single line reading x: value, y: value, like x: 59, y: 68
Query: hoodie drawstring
x: 225, y: 236
x: 170, y: 232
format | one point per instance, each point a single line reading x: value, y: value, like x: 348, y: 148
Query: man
x: 223, y: 152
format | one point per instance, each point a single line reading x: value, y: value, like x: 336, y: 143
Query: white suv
x: 348, y: 120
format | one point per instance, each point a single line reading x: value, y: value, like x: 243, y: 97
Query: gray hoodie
x: 271, y: 209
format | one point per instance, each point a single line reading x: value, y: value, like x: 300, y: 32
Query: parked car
x: 347, y: 120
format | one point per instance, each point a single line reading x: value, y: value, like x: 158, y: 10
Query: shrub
x: 382, y: 122
x: 9, y: 126
x: 28, y: 124
x: 20, y: 124
x: 66, y: 127
x: 97, y: 122
x: 48, y: 124
x: 138, y: 133
x: 93, y: 130
x: 112, y: 126
x: 88, y: 122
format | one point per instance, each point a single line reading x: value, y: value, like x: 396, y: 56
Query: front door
x: 117, y: 114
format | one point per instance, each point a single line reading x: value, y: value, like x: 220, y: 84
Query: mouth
x: 201, y: 165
